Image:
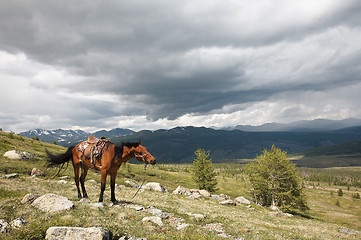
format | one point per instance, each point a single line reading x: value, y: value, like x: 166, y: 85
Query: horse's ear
x: 140, y: 141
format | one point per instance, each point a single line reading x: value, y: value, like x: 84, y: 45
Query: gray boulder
x: 4, y: 226
x: 243, y: 200
x: 12, y: 175
x: 204, y: 193
x: 155, y: 219
x: 52, y: 203
x: 182, y: 190
x: 194, y: 195
x: 18, y: 222
x: 228, y: 202
x: 16, y: 154
x: 159, y: 213
x: 154, y: 186
x: 70, y: 233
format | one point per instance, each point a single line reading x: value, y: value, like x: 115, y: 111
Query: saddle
x: 92, y: 149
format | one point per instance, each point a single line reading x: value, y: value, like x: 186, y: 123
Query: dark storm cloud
x: 165, y: 59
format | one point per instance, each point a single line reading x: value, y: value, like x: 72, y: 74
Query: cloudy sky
x: 158, y: 64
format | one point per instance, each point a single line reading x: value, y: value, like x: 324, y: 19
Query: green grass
x: 323, y: 221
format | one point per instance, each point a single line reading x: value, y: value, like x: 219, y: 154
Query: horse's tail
x: 55, y: 160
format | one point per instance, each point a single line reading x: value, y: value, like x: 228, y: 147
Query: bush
x: 339, y: 192
x: 356, y: 196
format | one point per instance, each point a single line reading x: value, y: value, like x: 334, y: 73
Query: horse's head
x: 141, y: 154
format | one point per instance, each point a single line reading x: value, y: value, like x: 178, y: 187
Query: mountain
x: 71, y: 137
x: 177, y: 145
x: 301, y: 126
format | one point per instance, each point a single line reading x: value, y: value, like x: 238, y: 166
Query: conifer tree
x: 203, y: 171
x: 275, y: 181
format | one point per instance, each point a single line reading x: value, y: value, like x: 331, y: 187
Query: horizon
x: 225, y: 128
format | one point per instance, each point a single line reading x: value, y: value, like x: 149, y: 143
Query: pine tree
x: 275, y: 181
x: 203, y: 171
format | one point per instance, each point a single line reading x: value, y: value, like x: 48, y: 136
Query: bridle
x: 141, y: 156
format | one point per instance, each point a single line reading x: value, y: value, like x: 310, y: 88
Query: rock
x: 97, y: 204
x: 131, y: 238
x: 37, y: 173
x: 12, y: 175
x: 218, y: 197
x: 4, y: 226
x: 136, y: 207
x: 194, y: 196
x: 154, y: 219
x: 243, y: 200
x: 52, y: 203
x: 182, y: 226
x: 16, y: 154
x: 204, y: 193
x: 348, y: 231
x: 154, y: 186
x: 196, y: 215
x: 29, y: 198
x: 70, y: 233
x: 18, y: 222
x: 131, y: 184
x: 228, y: 202
x: 159, y: 213
x: 67, y: 177
x: 62, y: 181
x: 218, y: 227
x: 274, y: 208
x: 182, y: 190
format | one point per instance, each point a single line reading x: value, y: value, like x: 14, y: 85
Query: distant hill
x: 301, y: 126
x: 339, y: 155
x: 70, y: 137
x: 177, y: 145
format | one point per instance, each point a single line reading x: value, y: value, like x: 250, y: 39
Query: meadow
x: 328, y: 212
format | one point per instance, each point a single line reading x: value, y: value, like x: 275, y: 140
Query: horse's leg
x: 112, y: 186
x: 103, y: 178
x: 84, y: 172
x: 76, y: 176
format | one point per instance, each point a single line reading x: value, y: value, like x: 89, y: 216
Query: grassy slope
x: 238, y: 221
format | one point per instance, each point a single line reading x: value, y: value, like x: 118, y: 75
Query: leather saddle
x: 94, y: 149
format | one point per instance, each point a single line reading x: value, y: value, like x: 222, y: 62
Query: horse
x: 108, y: 163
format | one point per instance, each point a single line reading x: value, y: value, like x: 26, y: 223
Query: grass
x: 323, y: 222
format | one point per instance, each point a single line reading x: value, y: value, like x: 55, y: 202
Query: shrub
x: 356, y: 196
x: 339, y: 192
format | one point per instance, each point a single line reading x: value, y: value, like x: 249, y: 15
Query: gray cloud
x: 88, y: 63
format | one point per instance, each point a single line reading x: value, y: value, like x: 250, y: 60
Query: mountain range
x: 301, y: 126
x: 70, y: 137
x: 177, y: 145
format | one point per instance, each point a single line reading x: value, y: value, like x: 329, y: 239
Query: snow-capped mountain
x: 70, y: 137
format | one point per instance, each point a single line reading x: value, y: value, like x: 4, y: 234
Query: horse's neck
x: 127, y: 155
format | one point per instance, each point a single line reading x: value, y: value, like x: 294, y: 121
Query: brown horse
x: 113, y: 155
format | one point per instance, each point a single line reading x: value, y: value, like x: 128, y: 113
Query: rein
x: 145, y: 168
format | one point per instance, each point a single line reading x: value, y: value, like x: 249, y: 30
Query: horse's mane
x: 118, y: 148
